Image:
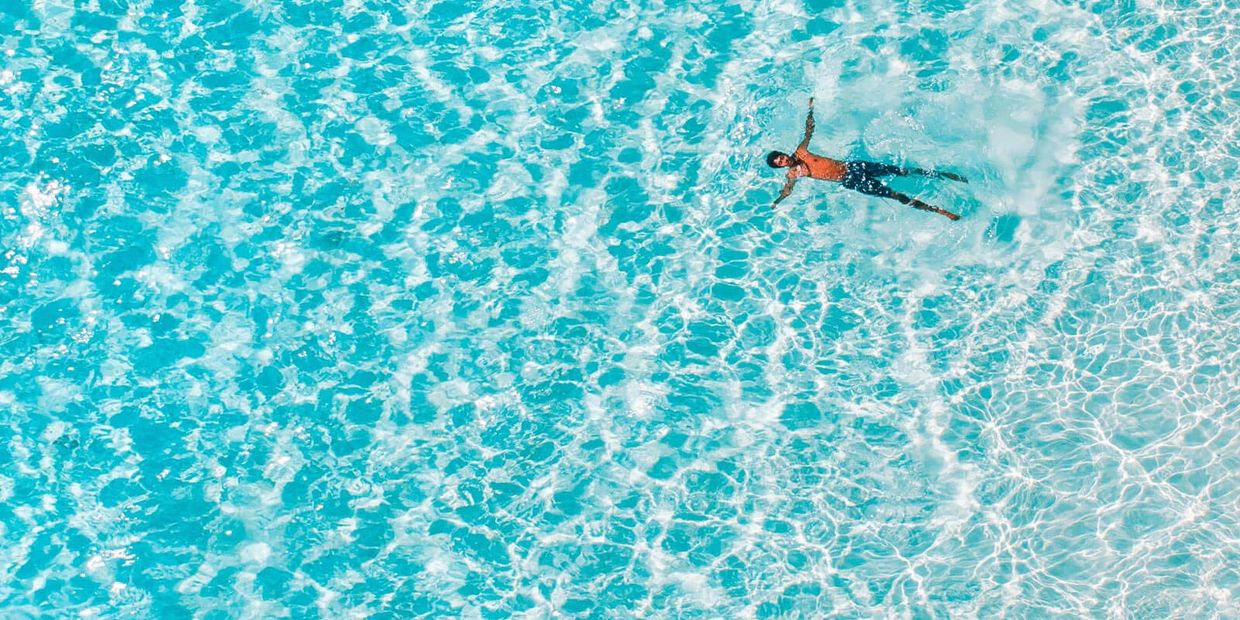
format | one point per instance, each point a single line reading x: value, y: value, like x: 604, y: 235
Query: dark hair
x: 770, y: 158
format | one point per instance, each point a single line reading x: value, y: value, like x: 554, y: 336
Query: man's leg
x: 872, y: 187
x: 874, y: 169
x: 952, y: 176
x: 935, y: 174
x: 917, y: 204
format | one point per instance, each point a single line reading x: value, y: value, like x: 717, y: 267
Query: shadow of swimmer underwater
x: 861, y: 176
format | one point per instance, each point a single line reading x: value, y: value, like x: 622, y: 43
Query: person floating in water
x: 861, y: 176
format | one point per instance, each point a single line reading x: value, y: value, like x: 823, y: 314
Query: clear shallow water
x: 336, y: 310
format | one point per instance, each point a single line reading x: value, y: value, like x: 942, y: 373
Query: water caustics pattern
x: 479, y: 309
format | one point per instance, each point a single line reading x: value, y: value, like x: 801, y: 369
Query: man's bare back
x: 856, y: 175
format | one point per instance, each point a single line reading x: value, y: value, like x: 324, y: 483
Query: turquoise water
x: 410, y: 309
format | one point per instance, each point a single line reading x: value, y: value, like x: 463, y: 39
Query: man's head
x: 775, y: 159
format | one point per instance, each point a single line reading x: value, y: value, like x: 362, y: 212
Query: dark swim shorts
x: 862, y: 176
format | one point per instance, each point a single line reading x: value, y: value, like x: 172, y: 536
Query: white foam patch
x: 56, y: 394
x: 256, y: 553
x: 579, y: 229
x: 292, y: 258
x: 375, y: 131
x: 55, y: 16
x: 642, y: 397
x: 39, y: 199
x: 6, y: 488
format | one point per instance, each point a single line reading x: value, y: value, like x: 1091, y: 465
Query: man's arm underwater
x: 783, y: 193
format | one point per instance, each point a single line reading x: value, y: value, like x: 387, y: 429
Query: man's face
x: 783, y: 161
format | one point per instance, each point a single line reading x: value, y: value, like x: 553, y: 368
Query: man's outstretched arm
x: 809, y: 126
x: 783, y: 193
